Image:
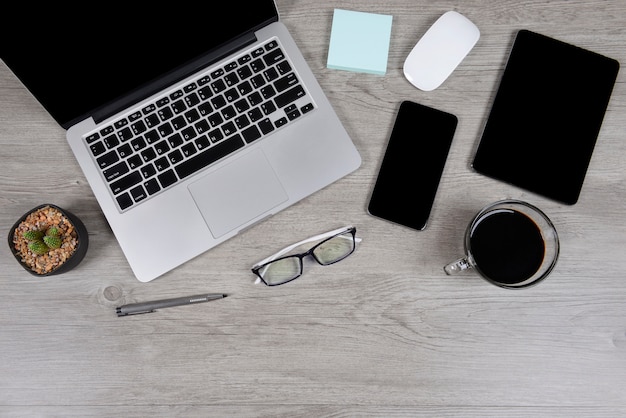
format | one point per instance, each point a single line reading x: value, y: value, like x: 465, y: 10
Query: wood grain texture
x: 383, y: 333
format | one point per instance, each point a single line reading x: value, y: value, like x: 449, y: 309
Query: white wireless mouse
x: 440, y: 50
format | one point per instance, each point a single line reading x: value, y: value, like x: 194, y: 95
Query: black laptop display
x: 97, y: 58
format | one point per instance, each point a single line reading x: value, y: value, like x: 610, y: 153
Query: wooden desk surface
x: 383, y: 333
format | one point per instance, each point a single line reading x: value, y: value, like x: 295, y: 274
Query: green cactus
x: 40, y: 242
x: 38, y: 247
x: 33, y: 235
x: 52, y: 241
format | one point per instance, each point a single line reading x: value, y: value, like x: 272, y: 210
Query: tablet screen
x: 546, y: 116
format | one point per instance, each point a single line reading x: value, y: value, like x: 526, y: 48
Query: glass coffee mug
x: 511, y: 244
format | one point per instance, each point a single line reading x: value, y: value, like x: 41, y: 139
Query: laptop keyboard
x: 179, y: 134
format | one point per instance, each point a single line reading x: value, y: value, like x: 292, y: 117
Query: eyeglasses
x: 336, y: 245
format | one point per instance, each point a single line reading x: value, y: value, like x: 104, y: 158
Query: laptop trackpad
x: 238, y: 192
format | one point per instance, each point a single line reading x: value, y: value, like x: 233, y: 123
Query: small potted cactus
x: 48, y: 240
x: 40, y: 242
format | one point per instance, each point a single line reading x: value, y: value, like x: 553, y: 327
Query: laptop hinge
x: 203, y: 61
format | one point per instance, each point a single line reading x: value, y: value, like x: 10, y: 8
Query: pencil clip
x: 120, y: 313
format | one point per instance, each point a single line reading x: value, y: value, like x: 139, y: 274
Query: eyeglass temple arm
x: 315, y: 238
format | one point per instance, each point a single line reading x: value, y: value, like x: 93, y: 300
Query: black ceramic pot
x: 73, y: 260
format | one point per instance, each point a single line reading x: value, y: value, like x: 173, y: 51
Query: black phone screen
x: 409, y: 175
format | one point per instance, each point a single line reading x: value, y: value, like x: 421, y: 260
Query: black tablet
x: 546, y: 116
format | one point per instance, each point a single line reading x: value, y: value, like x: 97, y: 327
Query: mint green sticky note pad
x: 359, y: 41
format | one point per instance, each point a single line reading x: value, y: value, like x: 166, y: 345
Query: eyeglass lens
x: 327, y: 252
x: 334, y: 249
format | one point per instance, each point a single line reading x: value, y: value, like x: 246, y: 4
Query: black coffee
x: 507, y: 247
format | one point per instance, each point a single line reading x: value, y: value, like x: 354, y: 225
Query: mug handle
x: 457, y: 266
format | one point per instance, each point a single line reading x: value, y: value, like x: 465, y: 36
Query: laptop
x: 191, y: 123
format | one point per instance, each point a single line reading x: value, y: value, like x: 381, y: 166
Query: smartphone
x: 409, y: 174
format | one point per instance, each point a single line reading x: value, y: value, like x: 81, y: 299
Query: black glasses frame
x: 309, y: 252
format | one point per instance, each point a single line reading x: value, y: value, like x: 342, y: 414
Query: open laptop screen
x: 74, y: 59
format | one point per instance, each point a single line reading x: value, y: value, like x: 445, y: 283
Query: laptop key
x: 244, y: 72
x: 124, y: 200
x: 285, y: 82
x: 208, y: 156
x: 218, y: 86
x: 289, y: 96
x: 281, y: 122
x: 283, y: 67
x: 203, y: 80
x: 152, y: 186
x: 229, y: 112
x: 205, y: 108
x: 215, y: 135
x: 188, y: 149
x: 138, y: 127
x: 111, y: 141
x: 126, y: 182
x: 192, y: 115
x: 190, y: 87
x: 116, y: 171
x: 179, y: 122
x: 257, y: 65
x: 148, y: 171
x: 189, y: 133
x: 125, y: 151
x: 271, y: 74
x: 135, y: 161
x: 175, y: 156
x: 138, y: 193
x: 107, y: 159
x: 231, y: 79
x: 202, y: 142
x: 274, y: 56
x: 125, y: 134
x: 152, y: 136
x: 205, y: 92
x: 179, y: 106
x: 148, y: 154
x: 215, y: 119
x: 192, y: 99
x: 251, y: 134
x: 106, y: 130
x: 266, y: 126
x: 255, y: 114
x: 148, y: 109
x: 152, y: 120
x: 255, y: 98
x: 176, y: 95
x: 91, y: 138
x: 167, y: 179
x: 161, y: 163
x: 218, y: 102
x: 97, y: 148
x: 268, y: 92
x: 293, y: 114
x: 228, y: 128
x: 162, y: 102
x: 268, y: 108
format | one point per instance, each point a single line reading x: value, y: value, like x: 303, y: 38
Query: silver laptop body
x: 216, y: 203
